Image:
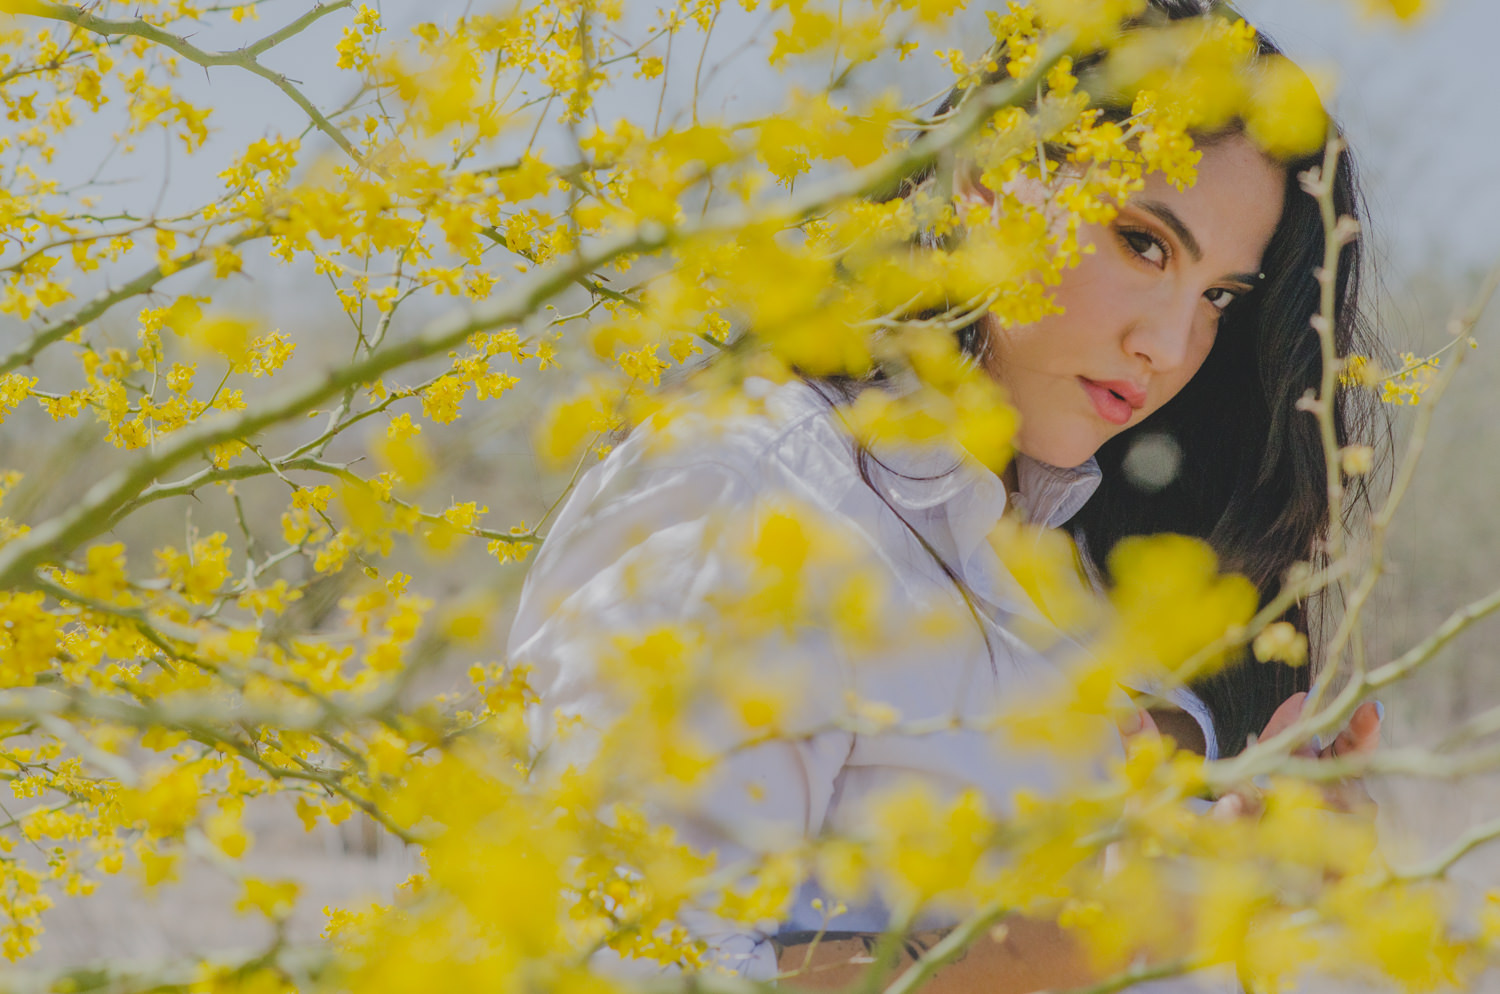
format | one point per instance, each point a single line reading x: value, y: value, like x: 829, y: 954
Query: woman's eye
x: 1145, y: 245
x: 1221, y: 298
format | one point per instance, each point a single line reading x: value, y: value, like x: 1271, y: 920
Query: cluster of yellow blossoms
x: 1405, y: 386
x: 217, y: 572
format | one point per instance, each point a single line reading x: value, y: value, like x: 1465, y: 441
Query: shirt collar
x: 937, y: 483
x: 919, y: 479
x: 1049, y: 495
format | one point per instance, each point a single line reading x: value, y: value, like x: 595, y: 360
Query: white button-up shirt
x: 640, y: 542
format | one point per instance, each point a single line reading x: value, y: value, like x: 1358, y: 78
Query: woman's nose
x: 1163, y: 335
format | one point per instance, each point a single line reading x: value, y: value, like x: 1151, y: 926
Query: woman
x: 1190, y: 319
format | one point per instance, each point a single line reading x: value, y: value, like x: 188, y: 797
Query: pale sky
x: 1421, y: 112
x: 1419, y: 106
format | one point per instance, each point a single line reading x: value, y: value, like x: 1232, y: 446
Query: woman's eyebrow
x: 1170, y: 218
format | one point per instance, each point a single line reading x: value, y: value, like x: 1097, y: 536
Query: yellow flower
x: 1045, y: 563
x: 1404, y: 10
x: 1171, y: 602
x: 574, y: 421
x: 104, y: 577
x: 157, y: 867
x: 272, y: 898
x: 1356, y: 460
x: 199, y: 572
x: 1281, y: 641
x: 1285, y: 115
x: 402, y: 428
x: 408, y: 458
x: 167, y: 800
x: 14, y: 388
x: 1094, y: 22
x: 928, y: 847
x: 225, y: 334
x: 273, y: 599
x: 225, y: 829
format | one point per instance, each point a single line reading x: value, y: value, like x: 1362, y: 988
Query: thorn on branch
x: 1311, y: 180
x: 1346, y: 230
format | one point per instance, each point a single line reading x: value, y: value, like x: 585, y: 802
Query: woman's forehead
x: 1231, y: 211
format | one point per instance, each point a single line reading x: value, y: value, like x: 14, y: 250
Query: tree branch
x: 143, y: 283
x: 1444, y: 861
x: 243, y: 58
x: 90, y: 515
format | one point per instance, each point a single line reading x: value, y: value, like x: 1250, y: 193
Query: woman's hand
x: 1361, y: 735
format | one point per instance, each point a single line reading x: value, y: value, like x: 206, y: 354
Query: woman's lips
x: 1110, y: 405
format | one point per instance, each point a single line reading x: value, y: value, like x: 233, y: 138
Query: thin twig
x: 952, y: 946
x: 89, y: 516
x: 242, y: 58
x: 143, y: 283
x: 1444, y: 861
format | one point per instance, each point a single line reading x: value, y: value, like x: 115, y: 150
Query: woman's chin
x: 1065, y: 452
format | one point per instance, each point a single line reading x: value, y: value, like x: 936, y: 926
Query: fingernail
x: 1380, y: 711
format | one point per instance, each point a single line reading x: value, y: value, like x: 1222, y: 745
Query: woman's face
x: 1140, y: 312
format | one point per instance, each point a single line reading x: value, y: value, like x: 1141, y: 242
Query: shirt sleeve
x: 648, y: 545
x: 1194, y: 705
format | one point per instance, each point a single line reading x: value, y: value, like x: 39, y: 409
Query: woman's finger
x: 1283, y: 718
x: 1229, y: 807
x: 1138, y: 722
x: 1290, y: 711
x: 1361, y: 735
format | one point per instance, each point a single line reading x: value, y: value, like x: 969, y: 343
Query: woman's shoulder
x: 767, y: 434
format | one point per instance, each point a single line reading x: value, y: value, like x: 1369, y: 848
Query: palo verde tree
x: 495, y: 242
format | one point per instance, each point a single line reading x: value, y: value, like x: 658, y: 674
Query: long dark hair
x: 1251, y: 479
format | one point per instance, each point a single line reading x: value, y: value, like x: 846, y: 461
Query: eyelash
x: 1131, y: 237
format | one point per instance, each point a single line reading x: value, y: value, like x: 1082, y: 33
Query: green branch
x: 1405, y: 473
x: 242, y: 58
x: 92, y: 513
x: 1129, y: 978
x: 593, y: 286
x: 1451, y: 628
x: 189, y: 485
x: 202, y: 713
x: 1444, y: 861
x: 95, y: 308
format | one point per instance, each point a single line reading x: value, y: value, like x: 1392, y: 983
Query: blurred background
x: 1418, y: 105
